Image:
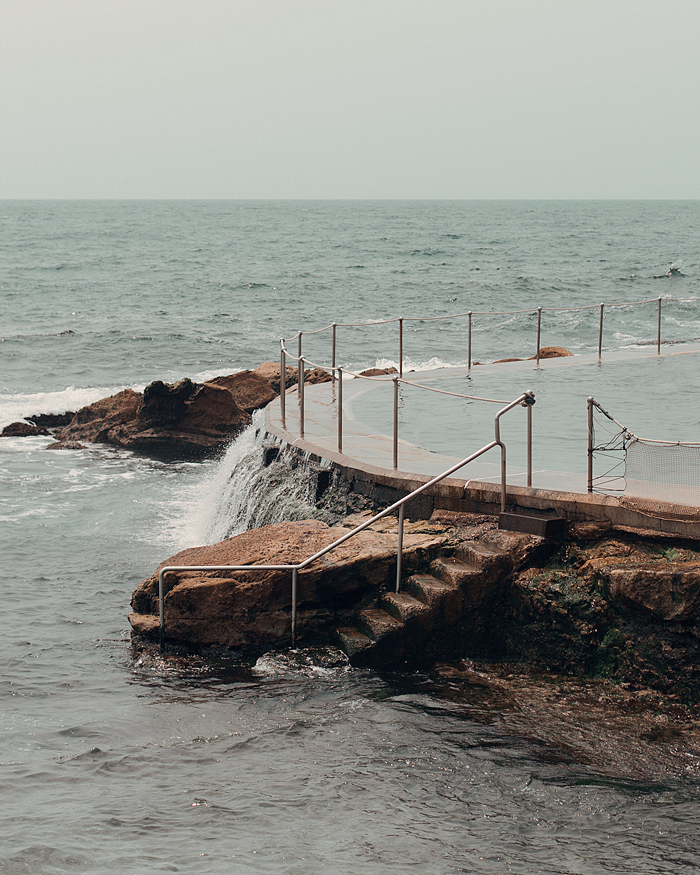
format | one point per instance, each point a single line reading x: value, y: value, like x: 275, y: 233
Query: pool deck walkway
x: 368, y: 457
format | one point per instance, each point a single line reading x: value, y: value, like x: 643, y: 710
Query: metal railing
x: 338, y: 373
x: 471, y: 317
x: 527, y: 400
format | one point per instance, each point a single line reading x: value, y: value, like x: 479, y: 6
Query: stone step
x: 402, y: 606
x: 376, y: 623
x: 548, y: 526
x: 429, y: 589
x: 352, y: 641
x: 479, y: 554
x: 453, y: 571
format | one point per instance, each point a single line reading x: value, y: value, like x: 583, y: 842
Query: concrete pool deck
x: 367, y: 457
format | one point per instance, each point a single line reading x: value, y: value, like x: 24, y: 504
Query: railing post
x: 333, y: 354
x: 539, y: 329
x: 399, y: 551
x: 529, y: 444
x: 469, y: 343
x: 600, y: 332
x: 340, y: 410
x: 590, y: 444
x: 283, y: 383
x: 396, y: 423
x: 299, y: 346
x: 401, y: 347
x: 161, y: 612
x: 301, y: 395
x: 295, y: 575
x: 658, y: 330
x: 503, y: 478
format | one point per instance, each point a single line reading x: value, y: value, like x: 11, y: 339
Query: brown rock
x: 250, y: 389
x: 317, y: 375
x: 66, y: 445
x: 251, y: 609
x: 95, y: 422
x: 670, y: 592
x: 270, y: 371
x: 551, y: 352
x: 51, y: 420
x: 182, y: 420
x: 378, y: 372
x: 22, y: 429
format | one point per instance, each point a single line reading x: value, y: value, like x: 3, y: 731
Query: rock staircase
x: 448, y: 610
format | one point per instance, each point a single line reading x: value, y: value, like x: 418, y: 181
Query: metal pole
x: 340, y: 410
x: 469, y: 344
x: 590, y: 444
x: 401, y: 347
x: 295, y: 575
x: 333, y: 354
x: 301, y: 396
x: 600, y: 332
x: 658, y: 331
x: 529, y: 444
x: 396, y: 423
x: 503, y: 478
x: 539, y: 329
x: 161, y: 612
x: 399, y: 552
x: 299, y: 346
x: 283, y: 382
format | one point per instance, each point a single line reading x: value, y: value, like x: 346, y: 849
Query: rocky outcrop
x: 23, y: 429
x: 250, y: 389
x: 613, y: 605
x: 271, y: 371
x: 180, y: 420
x: 378, y: 372
x: 251, y: 610
x: 551, y: 352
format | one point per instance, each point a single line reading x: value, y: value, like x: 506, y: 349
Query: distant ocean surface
x: 111, y: 763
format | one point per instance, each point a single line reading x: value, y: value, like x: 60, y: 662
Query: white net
x: 662, y: 472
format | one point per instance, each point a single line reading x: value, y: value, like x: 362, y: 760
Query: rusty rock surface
x: 251, y: 610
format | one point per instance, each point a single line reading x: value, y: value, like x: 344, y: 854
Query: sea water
x: 115, y: 761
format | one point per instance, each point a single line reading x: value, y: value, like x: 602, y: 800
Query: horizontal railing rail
x: 338, y: 373
x: 527, y: 399
x: 471, y: 315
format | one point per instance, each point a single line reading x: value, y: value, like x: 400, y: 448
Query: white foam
x: 17, y: 407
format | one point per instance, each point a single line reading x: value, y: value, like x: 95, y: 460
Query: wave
x: 17, y: 407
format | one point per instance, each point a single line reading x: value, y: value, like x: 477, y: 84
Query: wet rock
x: 250, y: 390
x: 23, y: 429
x: 51, y: 420
x: 251, y: 610
x: 66, y: 445
x: 181, y: 420
x: 271, y: 371
x: 378, y: 372
x: 317, y: 375
x: 551, y: 352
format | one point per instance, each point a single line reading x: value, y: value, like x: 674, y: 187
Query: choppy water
x: 111, y: 763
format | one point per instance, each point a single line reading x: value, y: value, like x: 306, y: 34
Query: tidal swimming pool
x: 655, y: 397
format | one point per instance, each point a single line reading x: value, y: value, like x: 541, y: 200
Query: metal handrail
x: 302, y: 362
x: 527, y: 399
x: 533, y: 311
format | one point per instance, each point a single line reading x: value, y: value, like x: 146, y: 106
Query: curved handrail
x: 527, y: 399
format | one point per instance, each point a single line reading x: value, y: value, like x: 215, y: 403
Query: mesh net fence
x: 662, y: 478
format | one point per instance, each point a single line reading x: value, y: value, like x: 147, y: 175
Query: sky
x: 349, y: 99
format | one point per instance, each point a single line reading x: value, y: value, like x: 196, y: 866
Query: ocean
x: 112, y: 760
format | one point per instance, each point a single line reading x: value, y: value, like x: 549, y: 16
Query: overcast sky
x: 349, y: 99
